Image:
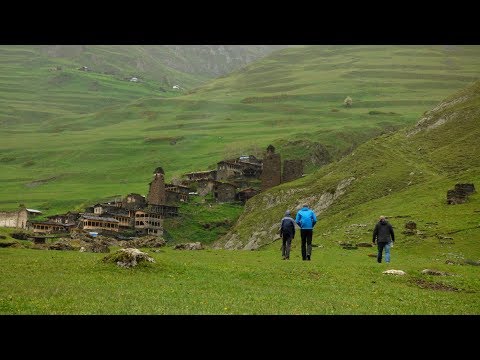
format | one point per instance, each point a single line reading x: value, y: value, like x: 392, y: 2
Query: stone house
x: 18, y: 219
x: 93, y: 222
x: 224, y: 192
x: 68, y: 218
x: 205, y: 187
x: 148, y: 222
x: 244, y: 166
x: 201, y: 175
x: 245, y: 194
x: 134, y: 201
x: 175, y: 193
x: 49, y: 227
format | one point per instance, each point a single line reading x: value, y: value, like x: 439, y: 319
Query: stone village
x: 144, y: 215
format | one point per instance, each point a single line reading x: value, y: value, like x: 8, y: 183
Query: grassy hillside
x: 43, y: 83
x: 404, y: 176
x: 292, y: 99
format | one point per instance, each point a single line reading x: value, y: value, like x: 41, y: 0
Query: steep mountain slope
x: 62, y: 148
x: 404, y: 175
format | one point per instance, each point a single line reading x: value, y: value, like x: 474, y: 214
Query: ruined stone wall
x: 292, y: 169
x: 226, y: 173
x: 133, y: 201
x: 459, y: 194
x: 156, y: 194
x: 205, y: 187
x: 467, y: 188
x: 272, y: 171
x: 14, y: 219
x: 224, y: 193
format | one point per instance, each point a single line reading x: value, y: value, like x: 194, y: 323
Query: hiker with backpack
x: 287, y: 232
x: 306, y: 219
x: 384, y: 236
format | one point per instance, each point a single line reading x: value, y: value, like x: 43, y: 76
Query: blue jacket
x: 306, y: 218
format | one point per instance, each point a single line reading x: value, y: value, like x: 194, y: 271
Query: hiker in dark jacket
x: 306, y: 219
x: 287, y: 232
x: 384, y: 236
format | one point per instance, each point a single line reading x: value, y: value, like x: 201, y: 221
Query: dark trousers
x: 286, y: 244
x: 306, y: 235
x: 380, y: 245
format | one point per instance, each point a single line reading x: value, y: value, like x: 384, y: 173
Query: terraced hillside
x: 43, y: 82
x: 293, y: 99
x: 404, y: 175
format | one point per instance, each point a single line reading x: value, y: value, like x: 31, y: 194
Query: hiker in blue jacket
x: 287, y: 232
x: 306, y: 219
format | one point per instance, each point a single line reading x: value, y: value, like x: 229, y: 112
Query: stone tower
x: 272, y: 169
x: 156, y: 193
x: 292, y: 169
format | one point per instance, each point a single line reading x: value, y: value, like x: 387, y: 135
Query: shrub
x: 348, y: 101
x: 21, y: 235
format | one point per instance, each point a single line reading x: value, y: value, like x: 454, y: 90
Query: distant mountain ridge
x: 203, y: 61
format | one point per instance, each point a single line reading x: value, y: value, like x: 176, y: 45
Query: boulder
x: 189, y: 246
x: 60, y: 245
x: 147, y: 242
x: 394, y: 272
x: 95, y: 248
x: 348, y: 245
x: 411, y: 225
x: 472, y: 262
x: 127, y: 258
x: 434, y: 272
x: 364, y: 244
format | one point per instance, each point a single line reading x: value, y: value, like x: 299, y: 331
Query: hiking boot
x: 308, y: 257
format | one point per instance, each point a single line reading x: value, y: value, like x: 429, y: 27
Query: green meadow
x: 335, y: 282
x: 64, y: 146
x: 409, y: 137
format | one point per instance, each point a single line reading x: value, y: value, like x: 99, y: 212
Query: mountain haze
x: 45, y: 82
x: 165, y: 63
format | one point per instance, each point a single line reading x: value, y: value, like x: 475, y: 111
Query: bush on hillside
x: 348, y: 101
x: 21, y: 235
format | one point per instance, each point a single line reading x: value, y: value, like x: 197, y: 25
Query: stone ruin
x: 460, y: 193
x: 272, y: 167
x: 292, y: 170
x: 410, y: 228
x: 189, y: 246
